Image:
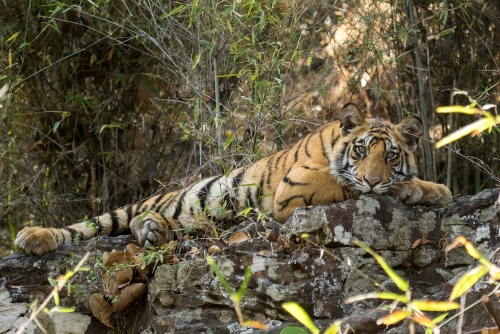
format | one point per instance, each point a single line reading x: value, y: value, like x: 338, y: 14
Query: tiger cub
x: 341, y: 160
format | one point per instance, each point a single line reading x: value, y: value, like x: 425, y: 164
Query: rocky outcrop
x: 188, y: 298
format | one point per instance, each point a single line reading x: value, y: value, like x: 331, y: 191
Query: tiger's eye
x: 361, y: 149
x: 391, y: 155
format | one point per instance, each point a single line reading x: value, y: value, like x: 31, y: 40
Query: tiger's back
x: 339, y: 161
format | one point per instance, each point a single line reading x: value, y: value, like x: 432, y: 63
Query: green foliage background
x: 107, y: 97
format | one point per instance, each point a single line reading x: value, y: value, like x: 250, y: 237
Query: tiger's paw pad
x: 150, y: 231
x: 35, y: 240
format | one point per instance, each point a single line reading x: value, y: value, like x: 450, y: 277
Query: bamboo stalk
x: 428, y: 158
x: 218, y: 118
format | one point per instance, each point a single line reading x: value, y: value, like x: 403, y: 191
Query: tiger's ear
x: 350, y: 117
x: 411, y: 128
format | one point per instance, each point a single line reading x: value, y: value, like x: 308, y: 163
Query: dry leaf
x: 213, y: 250
x: 271, y: 236
x: 238, y: 237
x: 117, y: 258
x: 128, y: 295
x: 256, y: 324
x: 132, y: 250
x: 101, y: 309
x: 118, y: 280
x: 193, y: 250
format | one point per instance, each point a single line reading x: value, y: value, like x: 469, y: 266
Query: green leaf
x: 438, y: 319
x: 56, y: 126
x: 293, y: 330
x: 301, y: 315
x: 243, y: 287
x: 334, y: 328
x: 11, y: 37
x: 196, y: 111
x: 193, y: 12
x: 62, y: 309
x: 400, y: 282
x: 196, y: 60
x: 429, y: 305
x: 379, y: 295
x: 176, y: 10
x: 142, y: 216
x: 467, y: 281
x: 244, y: 212
x: 219, y: 275
x: 229, y: 140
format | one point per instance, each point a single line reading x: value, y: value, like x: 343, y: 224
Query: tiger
x: 341, y: 160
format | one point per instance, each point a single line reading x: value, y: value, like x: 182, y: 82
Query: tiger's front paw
x: 422, y: 192
x: 36, y: 240
x: 151, y: 230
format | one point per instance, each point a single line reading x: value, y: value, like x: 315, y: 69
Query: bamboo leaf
x: 293, y: 330
x: 400, y: 282
x: 301, y: 315
x: 459, y: 109
x: 334, y: 328
x: 243, y: 287
x: 438, y: 319
x: 482, y: 124
x: 219, y: 275
x: 467, y: 281
x: 176, y: 10
x: 429, y: 305
x: 394, y: 317
x: 424, y: 321
x: 379, y: 295
x: 471, y: 250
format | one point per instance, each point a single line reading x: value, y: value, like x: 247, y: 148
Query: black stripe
x: 115, y: 223
x: 230, y: 204
x: 293, y: 183
x: 406, y: 158
x: 204, y: 191
x: 296, y: 155
x: 237, y: 179
x: 286, y: 202
x: 307, y: 144
x: 178, y: 205
x: 72, y: 232
x: 309, y: 202
x: 279, y: 158
x: 158, y: 200
x: 250, y: 197
x: 138, y: 207
x: 310, y: 168
x: 161, y: 208
x: 261, y: 188
x: 129, y: 214
x: 322, y: 144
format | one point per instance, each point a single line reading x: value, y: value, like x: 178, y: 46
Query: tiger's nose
x: 372, y: 180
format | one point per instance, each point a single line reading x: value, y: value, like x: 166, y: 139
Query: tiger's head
x: 371, y: 155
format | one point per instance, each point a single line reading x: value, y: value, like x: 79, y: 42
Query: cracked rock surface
x: 188, y: 298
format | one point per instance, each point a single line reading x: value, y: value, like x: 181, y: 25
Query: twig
x: 461, y: 316
x: 488, y: 305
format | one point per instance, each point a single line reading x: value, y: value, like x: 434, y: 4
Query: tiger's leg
x: 154, y: 230
x: 417, y: 191
x: 304, y: 186
x: 40, y: 240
